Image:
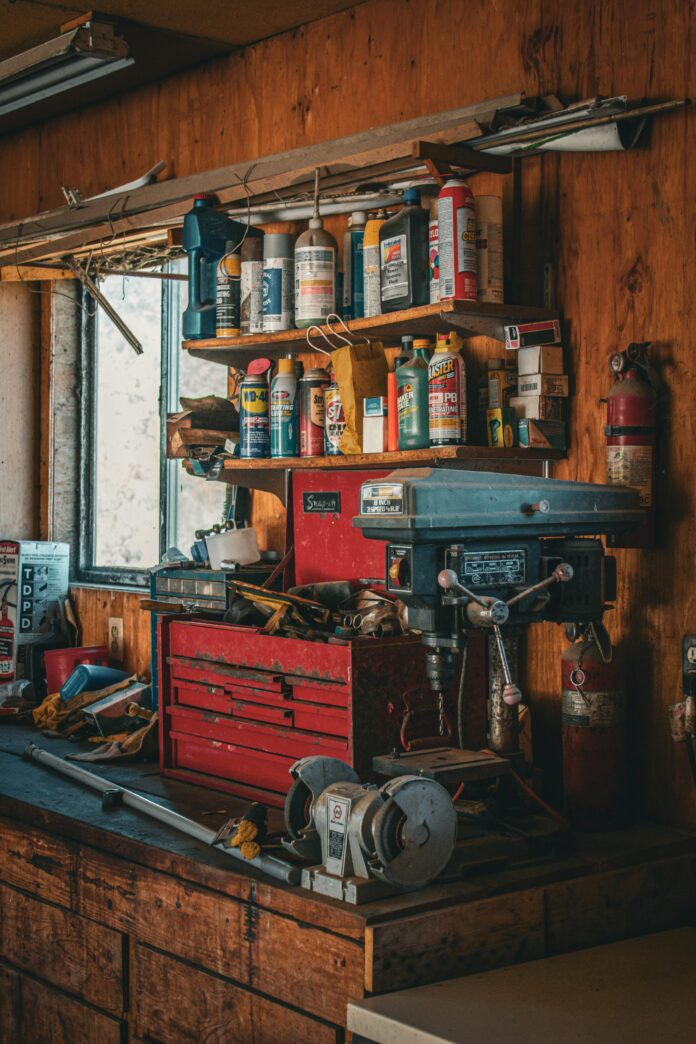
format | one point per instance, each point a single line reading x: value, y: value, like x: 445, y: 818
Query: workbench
x: 114, y: 927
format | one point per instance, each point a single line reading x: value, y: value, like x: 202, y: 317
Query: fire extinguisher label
x: 631, y: 466
x: 592, y: 710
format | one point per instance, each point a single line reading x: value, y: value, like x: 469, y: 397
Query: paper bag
x: 361, y: 371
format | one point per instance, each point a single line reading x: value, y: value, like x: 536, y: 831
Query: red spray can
x: 456, y: 220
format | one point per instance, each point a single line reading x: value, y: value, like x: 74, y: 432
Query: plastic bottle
x: 353, y: 274
x: 372, y: 303
x: 251, y: 286
x: 205, y: 236
x: 227, y: 292
x: 284, y: 409
x: 412, y: 398
x: 316, y: 257
x: 278, y: 281
x: 446, y: 395
x: 403, y: 244
x: 404, y: 356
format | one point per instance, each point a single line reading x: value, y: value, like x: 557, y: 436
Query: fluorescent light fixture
x: 83, y: 54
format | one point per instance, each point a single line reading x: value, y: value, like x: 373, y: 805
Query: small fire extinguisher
x: 593, y: 712
x: 6, y: 632
x: 631, y: 435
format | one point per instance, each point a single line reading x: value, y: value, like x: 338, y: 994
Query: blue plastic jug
x: 205, y: 236
x: 90, y: 677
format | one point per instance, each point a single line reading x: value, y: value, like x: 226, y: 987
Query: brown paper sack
x: 361, y: 371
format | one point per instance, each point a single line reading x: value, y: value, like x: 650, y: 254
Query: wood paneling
x: 35, y: 862
x: 618, y: 226
x: 66, y: 950
x: 50, y: 1016
x: 95, y: 606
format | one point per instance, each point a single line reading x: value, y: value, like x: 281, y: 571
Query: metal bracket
x: 92, y: 288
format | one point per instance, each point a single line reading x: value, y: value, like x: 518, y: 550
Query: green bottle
x: 412, y: 398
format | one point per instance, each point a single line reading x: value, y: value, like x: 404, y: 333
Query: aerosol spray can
x: 312, y: 412
x: 284, y: 411
x: 447, y: 394
x: 353, y: 269
x: 372, y: 301
x: 251, y: 292
x: 489, y: 248
x: 227, y: 293
x: 278, y: 281
x: 334, y: 420
x: 254, y: 425
x: 316, y: 263
x: 433, y: 255
x: 456, y: 219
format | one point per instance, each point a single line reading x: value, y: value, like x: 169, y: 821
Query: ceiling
x: 24, y: 23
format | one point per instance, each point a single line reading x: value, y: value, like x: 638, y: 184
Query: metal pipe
x: 280, y: 869
x: 265, y: 213
x: 98, y: 296
x: 503, y: 719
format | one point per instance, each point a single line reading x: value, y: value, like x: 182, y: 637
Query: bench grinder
x: 490, y: 551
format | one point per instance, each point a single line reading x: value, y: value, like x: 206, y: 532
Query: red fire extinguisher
x: 593, y: 712
x: 631, y: 434
x: 6, y: 633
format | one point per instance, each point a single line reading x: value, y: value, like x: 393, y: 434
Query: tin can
x: 334, y: 421
x: 446, y: 397
x: 284, y: 410
x: 456, y: 219
x: 433, y: 255
x: 227, y: 290
x: 278, y: 282
x: 254, y: 421
x: 251, y: 286
x: 312, y: 412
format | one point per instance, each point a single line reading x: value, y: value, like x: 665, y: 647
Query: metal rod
x: 277, y: 868
x: 98, y: 296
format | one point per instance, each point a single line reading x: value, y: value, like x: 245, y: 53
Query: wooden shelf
x: 469, y: 318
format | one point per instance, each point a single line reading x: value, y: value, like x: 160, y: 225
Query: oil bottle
x: 412, y: 398
x: 403, y: 245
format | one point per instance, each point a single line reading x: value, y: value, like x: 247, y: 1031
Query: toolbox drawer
x: 314, y: 717
x: 229, y: 761
x: 275, y: 739
x: 247, y: 685
x: 217, y: 701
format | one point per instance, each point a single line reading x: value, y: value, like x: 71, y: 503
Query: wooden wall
x: 19, y: 412
x: 619, y: 226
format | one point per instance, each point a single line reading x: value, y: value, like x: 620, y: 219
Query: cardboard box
x: 502, y: 385
x: 535, y: 434
x: 547, y: 358
x: 34, y: 578
x: 543, y: 384
x: 374, y: 438
x: 525, y: 334
x: 538, y: 407
x: 502, y: 427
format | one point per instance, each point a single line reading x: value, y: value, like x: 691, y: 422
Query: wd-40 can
x: 254, y: 434
x: 284, y: 411
x: 312, y: 412
x: 334, y: 421
x: 446, y: 396
x: 456, y: 222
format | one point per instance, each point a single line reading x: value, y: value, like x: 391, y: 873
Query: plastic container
x: 412, y: 399
x: 89, y: 677
x: 205, y: 237
x: 353, y: 274
x: 233, y: 544
x: 403, y: 245
x: 60, y: 663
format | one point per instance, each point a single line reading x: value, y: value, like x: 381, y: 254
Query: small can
x: 312, y: 411
x: 456, y: 218
x: 283, y: 410
x: 334, y: 421
x: 251, y: 286
x: 278, y: 282
x: 254, y: 421
x: 227, y: 290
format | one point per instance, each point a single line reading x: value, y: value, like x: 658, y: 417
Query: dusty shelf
x: 469, y: 318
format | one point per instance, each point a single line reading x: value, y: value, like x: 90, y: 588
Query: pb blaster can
x: 312, y: 412
x: 254, y: 423
x: 334, y: 421
x: 284, y: 411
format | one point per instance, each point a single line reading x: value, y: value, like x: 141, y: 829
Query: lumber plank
x: 468, y: 937
x: 50, y: 1016
x: 602, y: 908
x: 35, y: 862
x: 210, y: 1008
x: 235, y: 939
x: 62, y: 948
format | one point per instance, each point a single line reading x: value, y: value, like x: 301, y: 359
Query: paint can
x: 456, y: 219
x: 312, y: 411
x: 254, y: 423
x: 251, y: 285
x: 334, y: 420
x: 227, y: 290
x: 284, y: 411
x: 489, y: 248
x: 278, y: 282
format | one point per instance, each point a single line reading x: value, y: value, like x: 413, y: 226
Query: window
x: 134, y: 503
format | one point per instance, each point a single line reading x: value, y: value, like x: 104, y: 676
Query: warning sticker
x: 592, y: 710
x: 631, y: 466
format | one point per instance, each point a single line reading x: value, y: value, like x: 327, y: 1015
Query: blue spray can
x: 285, y: 411
x: 254, y: 424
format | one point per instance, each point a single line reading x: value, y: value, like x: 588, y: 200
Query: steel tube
x: 277, y: 868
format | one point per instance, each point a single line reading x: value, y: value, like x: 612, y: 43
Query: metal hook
x: 339, y: 319
x: 313, y: 346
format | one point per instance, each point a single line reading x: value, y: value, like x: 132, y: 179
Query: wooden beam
x: 32, y: 273
x: 459, y: 156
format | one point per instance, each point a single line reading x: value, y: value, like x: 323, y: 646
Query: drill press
x: 473, y: 550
